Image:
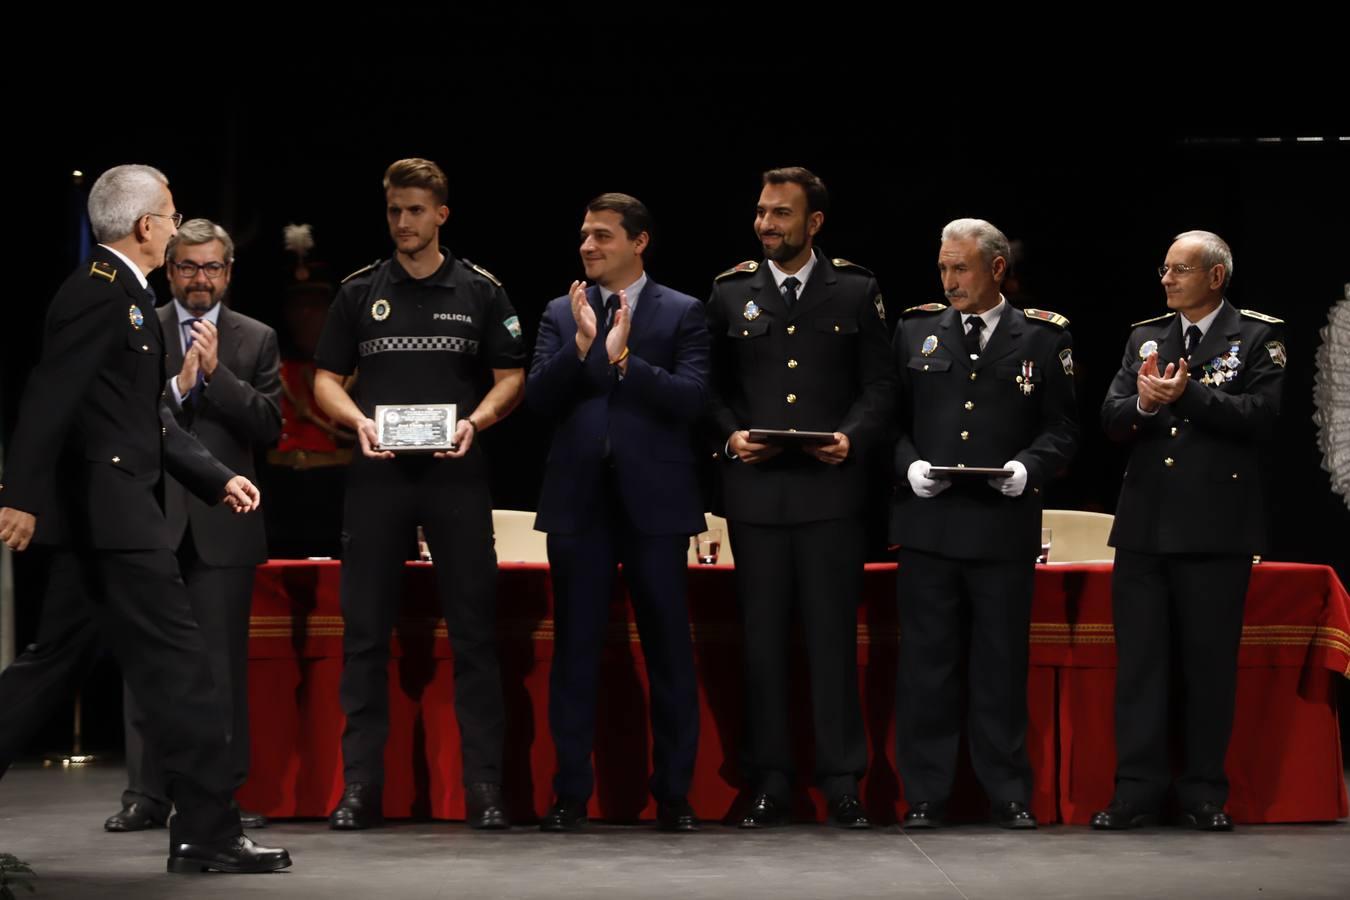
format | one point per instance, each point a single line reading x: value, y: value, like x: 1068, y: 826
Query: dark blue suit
x: 620, y: 486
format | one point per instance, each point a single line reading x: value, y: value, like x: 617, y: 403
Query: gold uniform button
x: 1169, y: 462
x: 1174, y: 431
x: 164, y: 431
x: 145, y: 347
x: 965, y: 435
x: 1235, y: 478
x: 970, y: 404
x: 792, y: 329
x: 836, y: 329
x: 117, y: 459
x: 792, y: 398
x: 972, y: 376
x: 745, y: 332
x: 792, y: 364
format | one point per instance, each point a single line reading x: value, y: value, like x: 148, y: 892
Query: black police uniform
x: 970, y: 547
x: 796, y: 526
x: 1189, y: 519
x: 429, y: 340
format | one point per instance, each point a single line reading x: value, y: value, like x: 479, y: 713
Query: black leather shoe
x: 676, y: 815
x: 239, y: 855
x: 1207, y: 817
x: 1122, y: 815
x: 846, y: 812
x: 484, y: 808
x: 565, y: 815
x: 764, y: 812
x: 252, y: 821
x: 1013, y: 814
x: 362, y: 806
x: 133, y: 817
x: 924, y: 814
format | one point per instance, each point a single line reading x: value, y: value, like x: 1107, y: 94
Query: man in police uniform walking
x: 1197, y: 394
x: 799, y: 342
x: 423, y: 327
x: 982, y: 384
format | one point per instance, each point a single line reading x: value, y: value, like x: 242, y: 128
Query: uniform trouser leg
x: 143, y: 609
x: 829, y: 559
x: 48, y: 671
x: 656, y: 570
x: 1143, y: 628
x: 928, y: 677
x: 377, y: 533
x: 1000, y: 595
x: 581, y: 567
x: 1209, y: 595
x: 221, y: 598
x: 766, y: 588
x: 458, y: 526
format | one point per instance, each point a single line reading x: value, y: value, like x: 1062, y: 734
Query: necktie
x: 973, y: 326
x: 1192, y: 339
x: 789, y: 289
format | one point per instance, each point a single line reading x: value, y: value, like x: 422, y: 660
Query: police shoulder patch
x: 1151, y: 321
x: 749, y: 265
x: 1261, y: 317
x: 103, y: 270
x: 1045, y: 315
x: 361, y: 271
x: 925, y: 308
x: 484, y: 272
x: 841, y: 263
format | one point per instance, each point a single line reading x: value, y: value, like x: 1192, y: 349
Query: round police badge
x: 1147, y: 349
x: 930, y: 344
x: 135, y: 316
x: 751, y: 311
x: 379, y: 310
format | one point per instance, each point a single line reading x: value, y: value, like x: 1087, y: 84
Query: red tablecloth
x: 1284, y: 761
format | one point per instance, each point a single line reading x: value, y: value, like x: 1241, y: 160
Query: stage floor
x: 53, y: 819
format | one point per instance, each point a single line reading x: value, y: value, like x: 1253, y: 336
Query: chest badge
x: 1024, y: 380
x: 380, y: 309
x: 751, y: 311
x: 135, y: 317
x: 930, y: 344
x: 1147, y: 349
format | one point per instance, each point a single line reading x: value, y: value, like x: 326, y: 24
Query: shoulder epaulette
x: 484, y: 272
x: 925, y: 307
x: 1261, y: 317
x: 749, y: 265
x: 361, y: 271
x: 1154, y: 319
x: 101, y: 269
x: 1045, y: 315
x: 841, y: 263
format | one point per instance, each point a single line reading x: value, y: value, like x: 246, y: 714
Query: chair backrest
x: 517, y: 541
x: 724, y: 556
x: 1078, y: 536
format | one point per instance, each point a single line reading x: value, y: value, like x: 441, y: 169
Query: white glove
x: 922, y: 485
x: 1012, y: 485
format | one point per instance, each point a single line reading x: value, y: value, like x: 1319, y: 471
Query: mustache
x: 955, y: 292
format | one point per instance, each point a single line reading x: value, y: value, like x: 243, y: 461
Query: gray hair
x: 991, y: 241
x: 120, y: 197
x: 1214, y: 251
x: 200, y: 231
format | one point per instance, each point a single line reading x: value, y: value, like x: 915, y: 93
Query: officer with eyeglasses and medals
x: 1197, y: 395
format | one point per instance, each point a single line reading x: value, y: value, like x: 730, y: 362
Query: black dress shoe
x: 252, y: 821
x: 1013, y: 814
x: 484, y: 808
x: 133, y: 817
x: 1207, y: 817
x: 846, y: 812
x: 676, y: 815
x: 239, y: 855
x: 1122, y: 815
x: 565, y: 815
x: 924, y: 814
x: 764, y: 812
x: 362, y: 806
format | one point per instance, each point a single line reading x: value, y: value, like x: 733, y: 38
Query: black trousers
x: 946, y: 606
x: 655, y: 568
x: 815, y: 570
x: 137, y: 602
x: 385, y: 502
x: 221, y: 599
x: 1176, y: 616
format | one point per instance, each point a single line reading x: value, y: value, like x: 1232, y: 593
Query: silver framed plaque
x: 425, y: 426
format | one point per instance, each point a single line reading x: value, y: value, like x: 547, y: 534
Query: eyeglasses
x: 1181, y: 269
x: 176, y: 217
x: 212, y: 270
